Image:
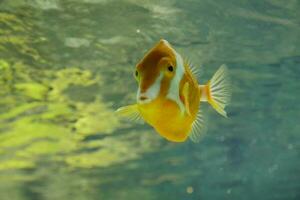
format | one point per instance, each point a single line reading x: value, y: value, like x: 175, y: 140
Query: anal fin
x: 198, y: 128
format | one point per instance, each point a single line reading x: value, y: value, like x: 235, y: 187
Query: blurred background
x: 66, y: 65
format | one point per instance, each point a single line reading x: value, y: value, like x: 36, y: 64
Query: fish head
x: 156, y: 71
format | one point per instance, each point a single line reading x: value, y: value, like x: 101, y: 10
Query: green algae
x: 42, y: 121
x: 13, y: 36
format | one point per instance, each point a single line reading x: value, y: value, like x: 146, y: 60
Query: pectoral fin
x: 185, y: 93
x: 131, y: 112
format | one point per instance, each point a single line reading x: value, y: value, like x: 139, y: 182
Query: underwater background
x: 67, y: 65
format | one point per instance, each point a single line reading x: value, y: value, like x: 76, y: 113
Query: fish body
x: 169, y: 96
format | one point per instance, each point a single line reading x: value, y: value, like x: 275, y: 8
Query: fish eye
x: 170, y: 68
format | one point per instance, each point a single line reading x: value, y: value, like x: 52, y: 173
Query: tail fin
x: 217, y: 91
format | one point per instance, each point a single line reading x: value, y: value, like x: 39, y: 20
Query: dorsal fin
x: 194, y: 70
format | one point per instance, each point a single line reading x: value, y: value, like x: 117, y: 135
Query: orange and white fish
x: 169, y: 96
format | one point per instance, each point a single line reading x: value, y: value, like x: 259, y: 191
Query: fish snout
x: 143, y: 89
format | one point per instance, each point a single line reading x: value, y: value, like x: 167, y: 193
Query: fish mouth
x: 144, y: 99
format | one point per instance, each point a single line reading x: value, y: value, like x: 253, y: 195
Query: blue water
x: 66, y: 65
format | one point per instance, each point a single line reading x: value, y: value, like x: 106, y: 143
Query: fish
x: 169, y: 97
